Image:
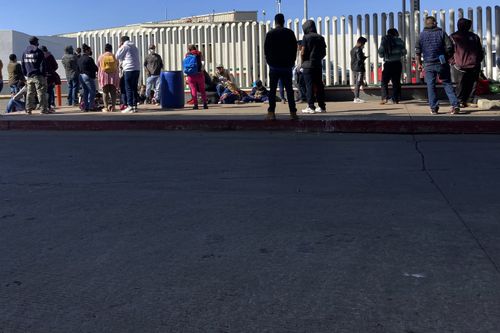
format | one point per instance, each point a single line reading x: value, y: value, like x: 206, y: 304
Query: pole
x: 306, y: 10
x: 403, y: 32
x: 59, y: 95
x: 278, y: 6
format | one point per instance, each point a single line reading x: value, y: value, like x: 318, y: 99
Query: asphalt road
x: 249, y: 232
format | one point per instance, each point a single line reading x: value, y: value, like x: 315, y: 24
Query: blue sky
x: 56, y: 16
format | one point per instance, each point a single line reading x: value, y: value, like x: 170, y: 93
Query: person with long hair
x: 392, y: 49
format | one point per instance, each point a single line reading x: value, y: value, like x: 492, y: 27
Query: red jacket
x: 468, y: 47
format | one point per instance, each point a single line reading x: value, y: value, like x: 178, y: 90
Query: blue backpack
x: 190, y: 64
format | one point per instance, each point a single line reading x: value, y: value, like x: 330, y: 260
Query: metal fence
x: 239, y: 46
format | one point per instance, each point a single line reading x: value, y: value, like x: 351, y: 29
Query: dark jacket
x: 15, y: 73
x: 358, y: 60
x: 314, y: 47
x: 33, y: 62
x: 51, y: 67
x: 468, y: 48
x: 153, y: 64
x: 432, y: 43
x: 280, y: 48
x: 70, y: 63
x: 86, y: 65
x: 392, y: 49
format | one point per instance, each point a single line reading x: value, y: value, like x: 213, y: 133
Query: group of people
x: 114, y: 72
x: 289, y: 60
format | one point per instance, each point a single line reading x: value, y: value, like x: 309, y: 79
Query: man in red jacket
x: 466, y: 60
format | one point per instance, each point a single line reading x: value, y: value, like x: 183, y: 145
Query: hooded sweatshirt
x: 70, y: 63
x: 280, y: 48
x: 128, y: 55
x: 392, y: 49
x: 468, y: 48
x: 314, y: 47
x: 33, y: 62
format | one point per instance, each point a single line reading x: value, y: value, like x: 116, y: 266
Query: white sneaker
x: 134, y: 109
x: 358, y: 100
x: 308, y: 110
x: 129, y: 109
x: 319, y: 110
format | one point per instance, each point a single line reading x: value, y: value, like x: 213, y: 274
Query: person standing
x: 53, y: 78
x: 436, y: 47
x: 299, y: 77
x: 128, y: 56
x: 193, y: 68
x: 358, y: 67
x: 392, y: 49
x: 16, y: 76
x: 466, y: 60
x: 33, y: 65
x: 70, y: 63
x: 109, y: 77
x: 313, y: 53
x: 87, y: 69
x: 153, y: 65
x: 280, y: 50
x: 1, y: 76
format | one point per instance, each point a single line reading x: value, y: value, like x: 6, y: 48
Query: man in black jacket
x: 280, y: 49
x: 313, y: 52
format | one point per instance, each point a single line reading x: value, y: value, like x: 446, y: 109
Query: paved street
x: 249, y: 232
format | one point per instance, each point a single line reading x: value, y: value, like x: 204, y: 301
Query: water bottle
x: 442, y: 59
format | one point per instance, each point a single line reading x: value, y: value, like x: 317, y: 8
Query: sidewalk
x: 410, y: 117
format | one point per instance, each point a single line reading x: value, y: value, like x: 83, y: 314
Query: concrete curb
x: 315, y: 126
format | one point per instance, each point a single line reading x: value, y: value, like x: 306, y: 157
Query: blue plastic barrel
x: 172, y: 90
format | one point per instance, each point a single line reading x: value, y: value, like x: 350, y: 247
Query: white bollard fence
x: 240, y: 46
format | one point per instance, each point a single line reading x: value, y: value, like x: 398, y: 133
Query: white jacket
x: 128, y: 56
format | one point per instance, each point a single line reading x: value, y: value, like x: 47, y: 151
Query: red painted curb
x: 326, y: 126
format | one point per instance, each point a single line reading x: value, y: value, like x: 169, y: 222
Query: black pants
x: 301, y: 86
x: 466, y: 79
x: 392, y: 73
x: 315, y: 88
x: 285, y: 75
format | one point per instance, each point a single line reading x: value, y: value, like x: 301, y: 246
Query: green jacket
x: 392, y: 49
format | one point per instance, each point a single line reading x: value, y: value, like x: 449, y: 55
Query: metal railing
x: 239, y: 46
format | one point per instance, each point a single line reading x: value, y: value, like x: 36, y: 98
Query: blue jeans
x: 14, y: 106
x: 52, y: 95
x: 14, y: 89
x: 131, y: 83
x: 73, y: 87
x: 220, y: 89
x: 88, y: 86
x: 153, y: 83
x: 431, y: 73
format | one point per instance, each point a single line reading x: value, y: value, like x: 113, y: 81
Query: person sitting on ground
x: 109, y: 77
x: 259, y: 94
x: 17, y: 102
x: 232, y: 94
x: 220, y: 77
x: 392, y: 49
x: 16, y: 76
x: 358, y: 67
x: 142, y: 94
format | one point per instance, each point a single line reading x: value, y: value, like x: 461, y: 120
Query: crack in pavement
x: 450, y: 205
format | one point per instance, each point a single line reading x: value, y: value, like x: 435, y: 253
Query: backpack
x: 190, y: 64
x: 108, y: 63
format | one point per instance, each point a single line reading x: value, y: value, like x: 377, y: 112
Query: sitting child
x: 17, y: 101
x: 142, y: 94
x: 259, y: 94
x: 231, y: 94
